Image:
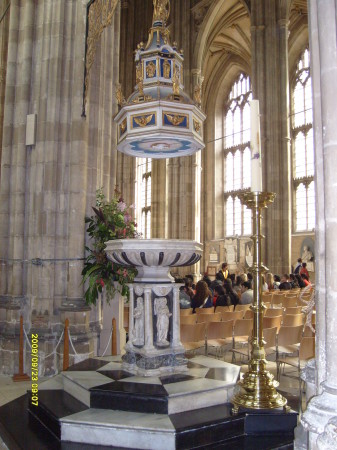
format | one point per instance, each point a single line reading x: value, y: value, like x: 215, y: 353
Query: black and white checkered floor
x: 96, y: 403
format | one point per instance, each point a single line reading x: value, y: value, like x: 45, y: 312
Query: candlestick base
x: 257, y: 389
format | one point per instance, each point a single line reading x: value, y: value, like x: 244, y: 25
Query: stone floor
x: 289, y: 386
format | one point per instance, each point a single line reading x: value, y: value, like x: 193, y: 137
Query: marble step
x: 131, y: 430
x: 21, y: 433
x: 52, y: 406
x: 104, y: 385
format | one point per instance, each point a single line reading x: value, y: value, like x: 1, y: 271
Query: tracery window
x: 303, y: 147
x: 144, y: 197
x: 237, y: 157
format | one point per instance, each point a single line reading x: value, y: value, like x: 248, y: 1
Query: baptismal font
x: 158, y: 120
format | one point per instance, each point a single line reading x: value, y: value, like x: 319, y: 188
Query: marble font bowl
x: 154, y: 257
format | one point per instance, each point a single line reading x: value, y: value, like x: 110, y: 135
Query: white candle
x: 255, y: 146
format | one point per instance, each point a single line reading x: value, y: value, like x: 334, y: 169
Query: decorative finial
x: 161, y: 11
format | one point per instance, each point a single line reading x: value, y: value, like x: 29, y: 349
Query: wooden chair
x: 273, y: 312
x: 221, y: 309
x: 242, y: 332
x: 292, y: 320
x: 288, y: 341
x: 306, y: 352
x: 267, y: 297
x: 307, y: 332
x: 267, y: 304
x: 204, y: 310
x: 215, y: 317
x: 249, y: 314
x: 190, y: 319
x: 277, y: 299
x: 219, y: 335
x: 292, y: 310
x: 193, y: 336
x: 271, y: 322
x: 269, y: 336
x: 186, y: 311
x: 242, y: 307
x: 235, y: 315
x: 289, y: 302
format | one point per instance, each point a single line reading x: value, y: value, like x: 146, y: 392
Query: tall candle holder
x: 257, y: 389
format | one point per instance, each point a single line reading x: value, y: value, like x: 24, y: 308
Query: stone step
x: 52, y: 406
x: 153, y: 431
x: 207, y: 428
x: 105, y: 385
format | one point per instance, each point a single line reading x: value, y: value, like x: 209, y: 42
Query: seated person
x: 217, y: 282
x: 234, y: 298
x: 285, y: 285
x: 305, y: 279
x: 237, y: 285
x: 247, y: 294
x: 203, y: 296
x: 222, y: 298
x: 304, y: 270
x: 293, y: 281
x: 184, y: 300
x: 188, y: 288
x: 277, y: 281
x: 300, y: 281
x: 264, y: 285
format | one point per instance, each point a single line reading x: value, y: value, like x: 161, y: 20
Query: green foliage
x: 111, y: 220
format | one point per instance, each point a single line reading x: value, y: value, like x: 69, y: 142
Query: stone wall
x: 47, y: 188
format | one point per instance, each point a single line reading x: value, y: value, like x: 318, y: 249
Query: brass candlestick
x: 257, y: 389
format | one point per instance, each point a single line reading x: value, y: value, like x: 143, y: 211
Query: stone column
x: 131, y: 309
x: 47, y: 188
x: 148, y: 319
x: 320, y: 418
x: 4, y: 29
x: 176, y: 317
x: 270, y: 83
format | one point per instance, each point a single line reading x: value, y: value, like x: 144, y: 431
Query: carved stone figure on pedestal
x: 138, y: 331
x: 163, y: 319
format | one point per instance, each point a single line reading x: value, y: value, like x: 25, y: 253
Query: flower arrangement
x: 112, y: 220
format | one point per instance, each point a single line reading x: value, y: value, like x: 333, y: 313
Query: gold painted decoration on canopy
x: 100, y: 15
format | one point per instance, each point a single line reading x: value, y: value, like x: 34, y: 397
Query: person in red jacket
x: 304, y: 270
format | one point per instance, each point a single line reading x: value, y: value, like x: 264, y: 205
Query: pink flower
x: 121, y: 206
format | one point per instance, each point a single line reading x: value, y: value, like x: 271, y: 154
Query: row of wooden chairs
x: 290, y: 344
x: 216, y: 335
x: 272, y: 318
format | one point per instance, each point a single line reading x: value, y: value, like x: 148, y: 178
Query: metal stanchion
x: 21, y: 376
x: 257, y: 389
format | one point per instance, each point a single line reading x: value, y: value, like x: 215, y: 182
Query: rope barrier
x: 106, y: 348
x: 64, y: 335
x: 59, y: 342
x: 29, y: 344
x: 71, y: 343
